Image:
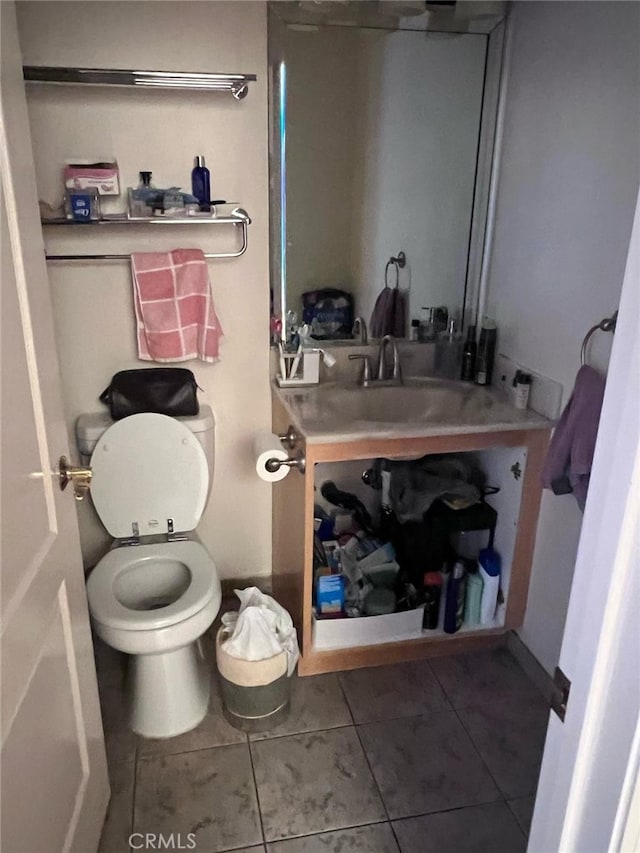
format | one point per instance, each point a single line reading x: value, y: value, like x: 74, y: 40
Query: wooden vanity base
x: 293, y: 501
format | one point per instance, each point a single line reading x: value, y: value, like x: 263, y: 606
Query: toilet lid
x: 146, y: 469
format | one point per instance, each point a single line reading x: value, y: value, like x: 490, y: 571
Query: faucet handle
x: 366, y: 367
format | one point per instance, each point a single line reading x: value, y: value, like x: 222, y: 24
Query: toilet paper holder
x: 272, y: 465
x: 289, y: 439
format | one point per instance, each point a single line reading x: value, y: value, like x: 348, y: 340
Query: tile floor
x: 411, y: 758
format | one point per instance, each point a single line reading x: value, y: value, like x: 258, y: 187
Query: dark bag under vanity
x: 163, y: 390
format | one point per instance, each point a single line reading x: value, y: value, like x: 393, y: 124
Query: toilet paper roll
x: 267, y: 446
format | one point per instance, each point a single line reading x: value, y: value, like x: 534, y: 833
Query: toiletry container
x: 521, y: 389
x: 454, y: 601
x: 489, y: 571
x: 432, y: 594
x: 449, y: 353
x: 486, y: 352
x: 201, y: 183
x: 473, y: 600
x: 468, y: 370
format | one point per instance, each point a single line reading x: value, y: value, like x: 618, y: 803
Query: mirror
x: 381, y: 144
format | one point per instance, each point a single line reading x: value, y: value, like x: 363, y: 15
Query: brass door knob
x: 80, y: 477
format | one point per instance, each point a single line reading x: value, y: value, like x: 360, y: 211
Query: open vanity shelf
x: 512, y: 460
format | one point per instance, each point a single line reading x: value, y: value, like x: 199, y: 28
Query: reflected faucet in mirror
x: 359, y: 331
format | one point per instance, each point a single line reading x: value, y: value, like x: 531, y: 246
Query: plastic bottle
x: 454, y: 603
x: 201, y: 183
x: 432, y: 593
x: 486, y: 351
x: 473, y: 600
x: 468, y: 370
x: 489, y: 571
x: 522, y: 387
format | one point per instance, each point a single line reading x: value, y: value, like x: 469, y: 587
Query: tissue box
x: 87, y: 174
x: 330, y: 594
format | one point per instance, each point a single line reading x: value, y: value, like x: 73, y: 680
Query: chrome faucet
x: 360, y: 330
x: 396, y: 375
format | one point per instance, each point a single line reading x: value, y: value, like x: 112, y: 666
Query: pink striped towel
x: 175, y: 316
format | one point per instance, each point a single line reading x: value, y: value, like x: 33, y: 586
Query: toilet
x: 157, y: 591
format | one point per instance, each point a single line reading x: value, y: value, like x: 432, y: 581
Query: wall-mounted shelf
x: 236, y: 84
x: 238, y: 217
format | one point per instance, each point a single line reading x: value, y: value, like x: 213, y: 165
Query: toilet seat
x: 105, y: 607
x: 147, y: 469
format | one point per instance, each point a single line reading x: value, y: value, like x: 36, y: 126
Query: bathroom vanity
x: 341, y: 428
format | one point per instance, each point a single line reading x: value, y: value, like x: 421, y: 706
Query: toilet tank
x: 90, y: 426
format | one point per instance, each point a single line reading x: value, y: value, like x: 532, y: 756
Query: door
x: 53, y: 777
x: 591, y: 762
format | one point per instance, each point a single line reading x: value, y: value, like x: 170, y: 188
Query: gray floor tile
x: 210, y: 793
x: 375, y: 838
x: 523, y: 810
x: 482, y: 677
x: 425, y: 764
x: 510, y: 737
x: 387, y: 692
x: 121, y: 746
x: 314, y: 782
x: 489, y: 828
x: 214, y: 730
x: 317, y: 702
x: 118, y: 822
x: 114, y: 706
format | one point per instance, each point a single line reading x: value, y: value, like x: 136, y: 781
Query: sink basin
x: 418, y: 401
x: 415, y: 401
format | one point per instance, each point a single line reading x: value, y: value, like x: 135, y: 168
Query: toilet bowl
x: 157, y: 591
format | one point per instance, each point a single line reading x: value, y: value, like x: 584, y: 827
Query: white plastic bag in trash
x: 261, y: 629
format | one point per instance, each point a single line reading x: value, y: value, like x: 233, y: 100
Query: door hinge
x: 560, y: 696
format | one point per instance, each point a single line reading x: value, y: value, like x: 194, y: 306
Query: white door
x: 53, y: 777
x: 589, y: 775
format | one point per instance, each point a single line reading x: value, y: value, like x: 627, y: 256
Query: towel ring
x: 608, y: 324
x: 398, y: 264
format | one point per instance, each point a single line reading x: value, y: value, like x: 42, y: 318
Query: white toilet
x: 157, y: 590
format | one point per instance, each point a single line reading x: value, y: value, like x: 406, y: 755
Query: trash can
x: 255, y: 693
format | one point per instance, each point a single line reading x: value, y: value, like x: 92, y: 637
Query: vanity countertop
x: 335, y: 412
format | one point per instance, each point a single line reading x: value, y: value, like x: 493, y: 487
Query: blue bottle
x: 201, y: 183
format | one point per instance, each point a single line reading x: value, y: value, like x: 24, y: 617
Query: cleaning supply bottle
x: 201, y: 183
x: 468, y: 371
x: 473, y: 599
x: 454, y: 600
x: 486, y: 351
x: 489, y: 571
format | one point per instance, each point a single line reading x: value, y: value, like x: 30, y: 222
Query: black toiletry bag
x: 163, y: 390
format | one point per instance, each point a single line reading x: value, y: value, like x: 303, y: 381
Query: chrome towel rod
x: 239, y: 218
x: 608, y: 324
x: 236, y: 84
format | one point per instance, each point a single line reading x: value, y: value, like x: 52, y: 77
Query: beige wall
x: 162, y: 132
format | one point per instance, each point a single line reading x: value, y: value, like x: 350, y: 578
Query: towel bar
x: 239, y: 218
x: 608, y: 324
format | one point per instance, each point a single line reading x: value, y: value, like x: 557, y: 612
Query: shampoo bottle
x: 486, y: 352
x: 468, y: 372
x: 201, y: 183
x: 454, y: 599
x: 489, y: 571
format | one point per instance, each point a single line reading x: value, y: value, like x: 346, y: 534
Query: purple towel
x: 388, y: 316
x: 568, y: 464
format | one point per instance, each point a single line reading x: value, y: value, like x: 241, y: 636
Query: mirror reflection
x: 377, y: 141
